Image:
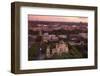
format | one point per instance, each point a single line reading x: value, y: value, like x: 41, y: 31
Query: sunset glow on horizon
x: 57, y: 18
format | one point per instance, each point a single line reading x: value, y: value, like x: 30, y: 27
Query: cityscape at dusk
x: 57, y: 37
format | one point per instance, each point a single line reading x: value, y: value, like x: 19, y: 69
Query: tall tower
x: 40, y: 33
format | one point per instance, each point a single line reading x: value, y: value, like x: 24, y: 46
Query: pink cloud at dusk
x: 57, y: 18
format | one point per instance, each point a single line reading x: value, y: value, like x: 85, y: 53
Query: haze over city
x: 57, y: 18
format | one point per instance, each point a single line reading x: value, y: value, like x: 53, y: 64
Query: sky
x: 57, y: 18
